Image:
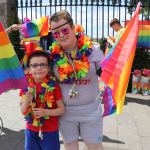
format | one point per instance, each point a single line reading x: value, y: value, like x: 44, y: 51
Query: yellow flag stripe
x: 144, y: 33
x: 6, y: 51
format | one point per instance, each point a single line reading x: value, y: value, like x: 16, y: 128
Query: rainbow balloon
x: 117, y: 65
x: 11, y: 74
x: 144, y: 34
x: 35, y: 28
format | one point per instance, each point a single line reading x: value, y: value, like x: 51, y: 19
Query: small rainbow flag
x: 35, y: 28
x: 30, y: 47
x: 11, y: 74
x: 117, y: 65
x: 144, y: 34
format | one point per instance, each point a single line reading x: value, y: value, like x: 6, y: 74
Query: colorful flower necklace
x: 68, y: 72
x: 45, y: 98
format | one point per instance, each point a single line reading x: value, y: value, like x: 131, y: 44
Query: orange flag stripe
x: 4, y: 40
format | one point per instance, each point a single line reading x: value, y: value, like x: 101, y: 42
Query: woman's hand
x: 15, y: 27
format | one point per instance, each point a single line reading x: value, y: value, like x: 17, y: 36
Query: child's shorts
x: 50, y: 141
x: 89, y: 131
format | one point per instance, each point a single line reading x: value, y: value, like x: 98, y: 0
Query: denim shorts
x: 50, y: 141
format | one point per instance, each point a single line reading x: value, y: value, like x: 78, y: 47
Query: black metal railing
x: 93, y: 15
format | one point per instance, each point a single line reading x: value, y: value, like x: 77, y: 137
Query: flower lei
x: 45, y: 97
x: 81, y: 62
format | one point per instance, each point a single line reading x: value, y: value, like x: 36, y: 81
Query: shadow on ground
x: 108, y: 140
x: 14, y: 140
x: 136, y: 100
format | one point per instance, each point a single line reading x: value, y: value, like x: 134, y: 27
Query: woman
x: 76, y: 65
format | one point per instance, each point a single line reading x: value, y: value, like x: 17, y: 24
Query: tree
x: 145, y: 5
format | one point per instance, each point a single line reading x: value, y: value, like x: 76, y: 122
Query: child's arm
x: 41, y: 112
x: 26, y: 102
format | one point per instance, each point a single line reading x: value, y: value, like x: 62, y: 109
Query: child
x: 41, y: 103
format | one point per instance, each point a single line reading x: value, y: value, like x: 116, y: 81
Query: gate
x: 93, y: 15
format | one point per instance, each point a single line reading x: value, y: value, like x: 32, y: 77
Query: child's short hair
x: 38, y: 54
x: 114, y: 21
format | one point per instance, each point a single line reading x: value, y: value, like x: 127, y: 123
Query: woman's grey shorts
x: 89, y: 131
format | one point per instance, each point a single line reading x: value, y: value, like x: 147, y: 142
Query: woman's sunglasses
x: 64, y: 31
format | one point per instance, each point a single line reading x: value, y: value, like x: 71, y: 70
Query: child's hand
x: 39, y: 112
x: 26, y: 102
x: 29, y: 96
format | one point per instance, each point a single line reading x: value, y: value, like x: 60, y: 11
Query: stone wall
x: 8, y: 11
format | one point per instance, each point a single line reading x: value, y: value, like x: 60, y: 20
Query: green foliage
x: 145, y: 6
x: 141, y: 59
x: 103, y: 42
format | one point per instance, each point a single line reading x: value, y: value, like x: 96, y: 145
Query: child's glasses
x: 64, y: 31
x: 35, y: 66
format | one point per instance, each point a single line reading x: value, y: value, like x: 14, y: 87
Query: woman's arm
x: 58, y: 111
x: 13, y: 27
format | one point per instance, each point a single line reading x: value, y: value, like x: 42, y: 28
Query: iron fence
x: 93, y: 15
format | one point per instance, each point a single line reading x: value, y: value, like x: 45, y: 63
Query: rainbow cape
x: 144, y: 34
x: 35, y: 28
x: 117, y: 65
x: 11, y: 74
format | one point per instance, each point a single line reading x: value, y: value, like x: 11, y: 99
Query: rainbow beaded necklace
x: 67, y: 72
x: 46, y: 98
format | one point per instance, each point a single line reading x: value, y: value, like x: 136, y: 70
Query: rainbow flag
x: 35, y: 28
x: 117, y: 65
x: 11, y: 74
x: 30, y: 47
x: 144, y: 34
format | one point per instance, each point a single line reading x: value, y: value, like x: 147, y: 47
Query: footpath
x: 128, y: 131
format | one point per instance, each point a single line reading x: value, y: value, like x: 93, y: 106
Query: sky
x: 93, y: 17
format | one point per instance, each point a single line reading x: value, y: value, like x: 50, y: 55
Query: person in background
x: 76, y: 64
x: 46, y: 41
x: 117, y: 27
x: 41, y: 103
x: 13, y: 27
